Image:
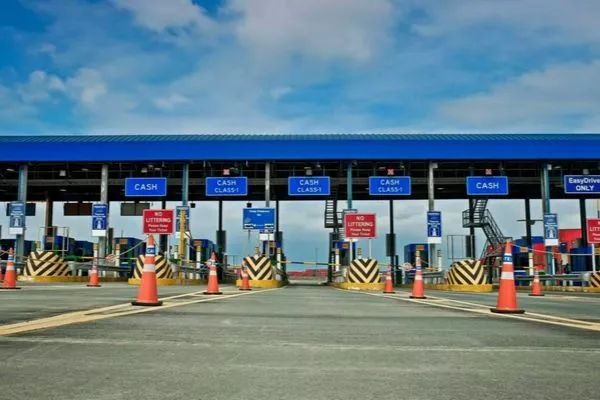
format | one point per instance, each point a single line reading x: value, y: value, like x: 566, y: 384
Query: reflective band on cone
x: 507, y: 295
x: 148, y: 292
x: 10, y: 277
x: 245, y: 282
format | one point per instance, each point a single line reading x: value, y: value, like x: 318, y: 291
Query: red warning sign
x: 158, y: 222
x: 593, y: 230
x: 359, y: 225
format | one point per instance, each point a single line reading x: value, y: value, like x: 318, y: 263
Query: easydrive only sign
x: 359, y: 225
x: 593, y: 230
x: 158, y: 222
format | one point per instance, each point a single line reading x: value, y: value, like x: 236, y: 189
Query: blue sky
x: 88, y: 66
x: 182, y: 66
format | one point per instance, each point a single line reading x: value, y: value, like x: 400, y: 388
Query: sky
x: 302, y: 66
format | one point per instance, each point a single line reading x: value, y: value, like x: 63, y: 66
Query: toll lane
x: 302, y: 343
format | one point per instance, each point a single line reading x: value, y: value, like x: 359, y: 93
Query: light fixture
x: 10, y: 170
x: 308, y: 171
x: 586, y: 171
x: 84, y: 169
x: 62, y: 173
x: 62, y: 189
x: 144, y: 170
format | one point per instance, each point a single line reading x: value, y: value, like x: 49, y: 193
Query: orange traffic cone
x: 536, y: 287
x: 213, y: 281
x: 148, y: 292
x: 1, y: 274
x: 389, y: 285
x: 93, y: 282
x: 245, y: 282
x: 10, y: 278
x: 418, y: 291
x: 507, y: 295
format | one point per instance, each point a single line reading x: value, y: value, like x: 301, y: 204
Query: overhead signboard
x: 309, y: 186
x: 593, y: 230
x: 16, y: 223
x: 29, y: 210
x: 487, y: 186
x: 258, y: 219
x: 227, y: 186
x: 550, y: 230
x: 389, y: 186
x: 434, y: 227
x: 160, y: 222
x: 582, y: 184
x: 145, y: 187
x: 360, y: 225
x: 99, y: 219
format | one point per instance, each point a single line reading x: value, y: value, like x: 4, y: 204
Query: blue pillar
x: 185, y: 178
x: 349, y: 184
x: 546, y: 209
x: 22, y: 196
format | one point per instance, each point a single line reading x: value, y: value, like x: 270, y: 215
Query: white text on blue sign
x: 235, y: 186
x: 308, y: 186
x: 582, y: 183
x: 390, y: 185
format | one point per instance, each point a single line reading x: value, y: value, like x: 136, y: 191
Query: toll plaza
x: 405, y: 303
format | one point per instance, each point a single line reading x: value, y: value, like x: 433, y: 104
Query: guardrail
x: 577, y: 279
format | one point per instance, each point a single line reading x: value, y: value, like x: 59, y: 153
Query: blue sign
x: 16, y: 223
x: 258, y: 218
x: 186, y: 210
x: 551, y: 229
x: 145, y: 187
x: 99, y: 217
x: 389, y: 186
x: 577, y: 184
x: 227, y: 186
x: 308, y: 186
x: 487, y: 186
x: 434, y: 226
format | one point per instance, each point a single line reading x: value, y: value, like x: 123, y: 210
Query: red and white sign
x: 593, y: 230
x: 159, y: 222
x: 359, y: 225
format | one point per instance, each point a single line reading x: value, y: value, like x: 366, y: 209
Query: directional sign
x: 145, y: 187
x: 258, y: 218
x: 581, y: 184
x: 227, y: 186
x: 487, y: 186
x: 309, y: 186
x: 550, y: 230
x: 159, y: 222
x: 99, y: 219
x: 389, y: 186
x: 16, y: 225
x: 186, y: 210
x: 434, y: 227
x: 360, y: 225
x: 593, y: 230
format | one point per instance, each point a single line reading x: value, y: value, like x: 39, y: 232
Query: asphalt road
x: 299, y: 342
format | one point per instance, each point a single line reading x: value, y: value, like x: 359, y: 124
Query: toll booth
x: 207, y: 247
x: 82, y: 249
x: 6, y: 244
x: 410, y: 253
x: 130, y: 249
x: 344, y: 250
x: 521, y: 252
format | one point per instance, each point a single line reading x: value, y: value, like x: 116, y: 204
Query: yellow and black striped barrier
x: 260, y: 272
x: 164, y: 271
x: 362, y: 274
x: 595, y: 280
x: 47, y: 264
x: 468, y: 276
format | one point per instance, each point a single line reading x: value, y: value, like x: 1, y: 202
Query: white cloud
x: 279, y: 92
x: 348, y: 29
x: 539, y: 98
x: 87, y: 85
x: 171, y: 101
x: 161, y: 15
x: 541, y: 20
x: 40, y: 87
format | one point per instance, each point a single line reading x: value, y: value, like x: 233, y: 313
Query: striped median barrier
x: 164, y: 273
x: 468, y: 276
x: 260, y: 273
x: 362, y: 274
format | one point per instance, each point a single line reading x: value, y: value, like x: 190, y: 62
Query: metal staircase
x: 480, y: 217
x: 333, y: 217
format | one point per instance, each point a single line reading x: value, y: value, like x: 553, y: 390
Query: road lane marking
x: 483, y: 309
x: 101, y: 313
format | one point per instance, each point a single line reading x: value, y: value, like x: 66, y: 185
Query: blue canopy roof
x: 100, y: 148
